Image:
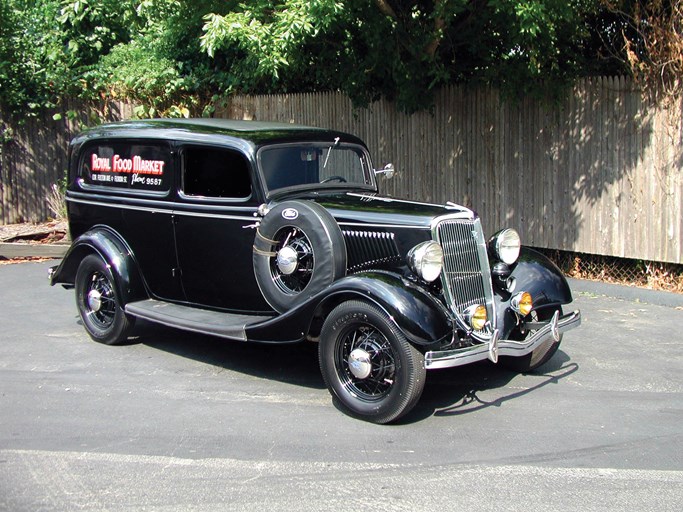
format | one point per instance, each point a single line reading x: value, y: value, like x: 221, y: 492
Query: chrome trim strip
x: 120, y: 206
x: 151, y: 209
x: 462, y: 356
x: 222, y: 201
x: 102, y: 199
x: 466, y: 213
x: 183, y: 213
x: 391, y: 226
x: 486, y: 274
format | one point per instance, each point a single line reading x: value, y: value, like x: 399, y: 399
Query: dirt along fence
x: 601, y: 173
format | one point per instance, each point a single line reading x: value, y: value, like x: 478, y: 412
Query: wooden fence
x: 601, y: 173
x: 33, y: 157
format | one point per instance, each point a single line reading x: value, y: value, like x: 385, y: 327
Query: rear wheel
x: 368, y: 364
x: 98, y: 303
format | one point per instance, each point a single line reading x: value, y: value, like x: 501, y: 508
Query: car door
x: 214, y: 227
x: 127, y: 187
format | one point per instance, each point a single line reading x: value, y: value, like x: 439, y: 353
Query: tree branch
x: 439, y: 25
x: 386, y: 9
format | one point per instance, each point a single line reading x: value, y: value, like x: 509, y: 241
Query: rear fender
x: 114, y: 251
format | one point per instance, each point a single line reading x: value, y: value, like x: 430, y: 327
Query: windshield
x: 315, y: 165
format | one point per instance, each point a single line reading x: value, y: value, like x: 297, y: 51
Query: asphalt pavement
x: 184, y: 422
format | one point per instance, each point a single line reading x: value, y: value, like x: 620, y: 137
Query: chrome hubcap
x: 287, y: 260
x: 94, y: 300
x: 360, y: 363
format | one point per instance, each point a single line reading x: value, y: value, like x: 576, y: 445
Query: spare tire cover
x: 298, y: 251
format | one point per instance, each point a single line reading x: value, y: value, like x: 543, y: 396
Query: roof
x: 256, y: 133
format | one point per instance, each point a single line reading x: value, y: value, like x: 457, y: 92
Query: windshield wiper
x: 329, y: 150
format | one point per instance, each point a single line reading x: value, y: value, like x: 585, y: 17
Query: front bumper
x: 497, y: 347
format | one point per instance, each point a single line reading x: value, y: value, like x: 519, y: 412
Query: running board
x: 225, y: 325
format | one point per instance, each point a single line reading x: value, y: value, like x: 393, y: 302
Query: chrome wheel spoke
x: 294, y: 275
x: 380, y: 377
x: 103, y: 314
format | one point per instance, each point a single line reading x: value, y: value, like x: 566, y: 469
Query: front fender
x: 540, y: 277
x: 536, y: 274
x: 418, y: 314
x: 114, y: 251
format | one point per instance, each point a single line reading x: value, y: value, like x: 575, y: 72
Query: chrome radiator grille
x: 466, y: 275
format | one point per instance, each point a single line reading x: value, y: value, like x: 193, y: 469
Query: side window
x: 126, y: 165
x: 215, y: 172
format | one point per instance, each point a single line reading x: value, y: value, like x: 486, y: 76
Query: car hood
x: 357, y: 208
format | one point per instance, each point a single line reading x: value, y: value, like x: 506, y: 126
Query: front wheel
x: 368, y: 364
x: 98, y: 303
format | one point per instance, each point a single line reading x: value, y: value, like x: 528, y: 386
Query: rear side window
x: 215, y: 173
x: 130, y: 166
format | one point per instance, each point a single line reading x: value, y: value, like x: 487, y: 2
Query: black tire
x: 299, y: 250
x: 388, y: 376
x: 540, y: 355
x: 98, y: 302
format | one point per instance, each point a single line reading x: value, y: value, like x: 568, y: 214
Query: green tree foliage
x: 174, y: 57
x: 403, y: 49
x: 10, y: 43
x: 48, y: 44
x: 90, y: 28
x: 162, y: 67
x: 30, y: 55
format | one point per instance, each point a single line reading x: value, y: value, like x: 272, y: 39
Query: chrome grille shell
x: 466, y: 276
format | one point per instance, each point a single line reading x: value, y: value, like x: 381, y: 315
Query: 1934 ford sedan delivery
x: 276, y: 233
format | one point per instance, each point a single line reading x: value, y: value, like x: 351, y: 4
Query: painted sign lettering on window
x: 128, y: 166
x: 135, y: 165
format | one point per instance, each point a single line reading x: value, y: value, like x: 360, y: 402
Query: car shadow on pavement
x: 456, y: 391
x: 448, y: 392
x: 292, y: 363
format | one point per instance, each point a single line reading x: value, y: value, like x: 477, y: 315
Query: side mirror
x: 388, y: 171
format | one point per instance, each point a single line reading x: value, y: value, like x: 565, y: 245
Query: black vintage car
x: 276, y: 233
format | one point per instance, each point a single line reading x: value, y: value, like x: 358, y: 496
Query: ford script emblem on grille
x: 290, y: 213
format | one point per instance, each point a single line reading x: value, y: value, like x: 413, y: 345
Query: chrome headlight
x: 506, y: 245
x: 426, y: 260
